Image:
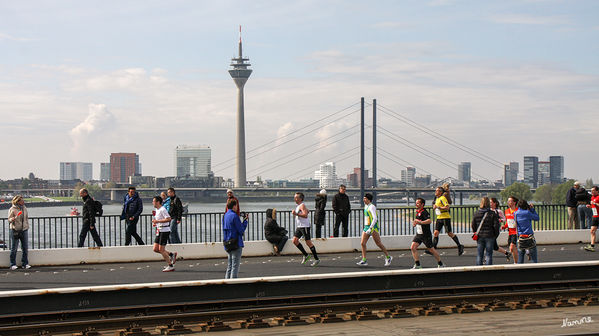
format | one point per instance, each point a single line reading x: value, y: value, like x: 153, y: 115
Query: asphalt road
x: 126, y: 273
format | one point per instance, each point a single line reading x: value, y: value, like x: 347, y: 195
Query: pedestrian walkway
x: 144, y: 272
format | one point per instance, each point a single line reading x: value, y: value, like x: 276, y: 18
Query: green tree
x: 560, y: 191
x: 519, y: 190
x: 544, y: 194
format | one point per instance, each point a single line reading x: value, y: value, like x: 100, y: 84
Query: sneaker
x: 13, y: 267
x: 315, y: 262
x: 460, y: 249
x: 173, y: 258
x: 168, y: 269
x: 428, y: 252
x: 416, y: 266
x: 508, y: 256
x: 305, y: 259
x: 388, y: 261
x: 589, y: 248
x: 27, y: 266
x: 362, y: 263
x: 441, y: 266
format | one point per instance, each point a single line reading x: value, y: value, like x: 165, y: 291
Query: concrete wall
x: 75, y: 256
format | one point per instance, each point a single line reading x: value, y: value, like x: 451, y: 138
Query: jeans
x: 84, y: 230
x: 131, y: 231
x: 583, y: 212
x: 572, y: 218
x: 341, y: 220
x: 233, y: 262
x: 281, y: 243
x: 485, y: 245
x: 24, y: 239
x: 533, y: 255
x: 174, y: 238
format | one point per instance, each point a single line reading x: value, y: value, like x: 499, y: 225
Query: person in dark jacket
x: 342, y: 209
x: 583, y: 198
x: 319, y: 214
x: 175, y: 210
x: 572, y: 207
x: 89, y: 219
x: 275, y: 234
x: 489, y: 230
x: 132, y: 208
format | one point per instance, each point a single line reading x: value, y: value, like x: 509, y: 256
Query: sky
x: 503, y: 79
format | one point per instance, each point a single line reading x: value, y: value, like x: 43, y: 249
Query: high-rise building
x: 193, y: 161
x: 407, y: 176
x: 353, y: 179
x: 465, y: 171
x: 531, y: 171
x: 556, y: 169
x: 510, y: 173
x: 123, y: 165
x: 104, y: 171
x: 76, y: 171
x: 240, y: 74
x: 327, y: 175
x: 544, y: 173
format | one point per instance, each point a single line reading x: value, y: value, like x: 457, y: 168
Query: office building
x: 353, y: 179
x: 465, y: 171
x: 76, y: 171
x: 556, y: 169
x: 327, y: 175
x: 193, y: 161
x: 104, y: 171
x: 544, y: 176
x: 123, y: 165
x: 531, y: 171
x: 407, y: 176
x: 510, y: 173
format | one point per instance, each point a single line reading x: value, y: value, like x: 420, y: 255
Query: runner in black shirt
x: 423, y: 234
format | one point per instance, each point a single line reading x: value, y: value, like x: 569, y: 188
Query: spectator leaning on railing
x: 585, y: 214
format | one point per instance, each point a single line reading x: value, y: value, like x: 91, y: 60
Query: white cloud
x: 98, y: 122
x: 525, y: 19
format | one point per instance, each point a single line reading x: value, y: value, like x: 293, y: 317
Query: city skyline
x: 74, y: 89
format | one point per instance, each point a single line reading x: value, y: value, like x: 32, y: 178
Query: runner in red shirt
x: 595, y: 208
x: 510, y: 224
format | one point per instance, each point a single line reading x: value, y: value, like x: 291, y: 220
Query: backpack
x: 98, y: 211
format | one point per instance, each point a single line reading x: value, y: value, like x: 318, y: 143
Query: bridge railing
x: 63, y: 232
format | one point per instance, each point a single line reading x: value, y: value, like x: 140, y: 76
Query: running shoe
x: 441, y: 266
x: 508, y: 256
x: 460, y: 249
x: 416, y: 266
x: 428, y: 252
x: 362, y: 263
x: 27, y: 266
x: 589, y: 248
x: 315, y: 262
x: 174, y: 258
x: 168, y: 268
x: 388, y: 261
x: 13, y: 267
x: 305, y: 259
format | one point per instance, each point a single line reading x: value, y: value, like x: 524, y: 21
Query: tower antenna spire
x: 240, y: 51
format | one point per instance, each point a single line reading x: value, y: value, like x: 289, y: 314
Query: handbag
x: 475, y: 235
x: 526, y: 242
x: 231, y: 244
x: 17, y: 234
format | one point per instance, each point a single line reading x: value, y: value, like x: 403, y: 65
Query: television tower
x: 240, y: 74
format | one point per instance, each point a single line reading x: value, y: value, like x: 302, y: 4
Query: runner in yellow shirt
x: 441, y: 208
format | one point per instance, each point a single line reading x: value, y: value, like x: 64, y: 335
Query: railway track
x: 459, y: 292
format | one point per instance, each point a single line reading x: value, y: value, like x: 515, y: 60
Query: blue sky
x: 509, y: 78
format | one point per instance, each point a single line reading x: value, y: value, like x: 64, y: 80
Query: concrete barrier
x: 75, y: 256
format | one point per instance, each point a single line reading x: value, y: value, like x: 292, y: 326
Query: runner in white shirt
x: 302, y: 224
x: 161, y: 222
